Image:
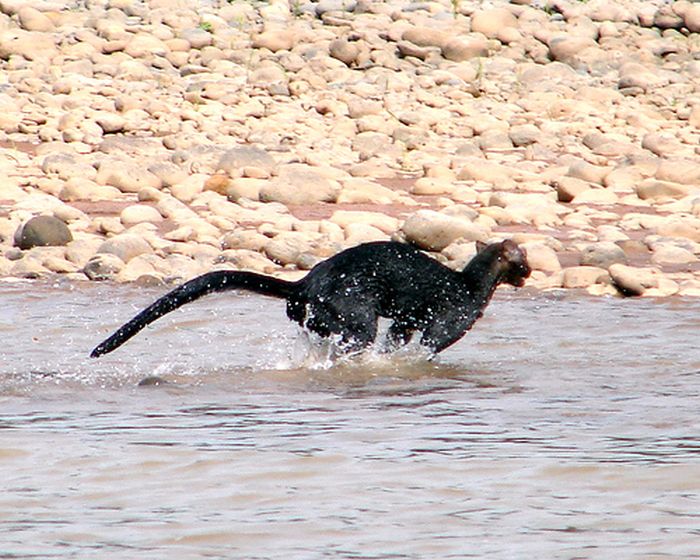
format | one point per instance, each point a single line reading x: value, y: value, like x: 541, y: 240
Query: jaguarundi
x: 345, y: 295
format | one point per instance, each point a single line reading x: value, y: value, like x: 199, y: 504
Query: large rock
x: 634, y: 75
x: 683, y: 227
x: 145, y: 268
x: 425, y: 36
x: 243, y: 187
x: 583, y: 276
x: 655, y: 189
x: 142, y: 45
x: 42, y: 231
x: 32, y: 45
x: 80, y: 251
x: 596, y: 196
x: 491, y: 22
x: 432, y: 186
x: 382, y: 222
x: 344, y: 50
x: 358, y: 108
x: 287, y: 247
x: 692, y: 18
x: 568, y: 188
x: 603, y: 255
x: 585, y: 171
x: 406, y: 49
x: 125, y: 246
x: 466, y: 48
x: 611, y: 12
x: 84, y: 189
x: 266, y: 75
x: 356, y: 234
x: 661, y: 144
x: 633, y: 281
x: 370, y: 144
x: 495, y: 139
x: 235, y: 160
x: 244, y: 239
x: 668, y: 253
x: 434, y: 231
x: 59, y: 265
x: 104, y: 266
x: 567, y: 48
x: 667, y: 18
x: 277, y: 40
x: 300, y: 184
x: 524, y: 134
x: 475, y: 169
x: 541, y: 257
x: 138, y: 213
x: 65, y: 166
x: 197, y: 37
x: 32, y: 19
x: 168, y: 173
x: 128, y: 177
x: 218, y: 183
x: 28, y: 268
x: 359, y: 191
x: 609, y: 145
x: 694, y: 116
x: 683, y: 171
x: 528, y: 208
x: 190, y: 188
x: 109, y: 122
x: 246, y: 259
x: 325, y: 6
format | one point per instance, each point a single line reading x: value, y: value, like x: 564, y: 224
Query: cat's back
x: 378, y: 254
x: 380, y: 261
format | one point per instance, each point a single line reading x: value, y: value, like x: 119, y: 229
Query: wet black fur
x: 347, y: 294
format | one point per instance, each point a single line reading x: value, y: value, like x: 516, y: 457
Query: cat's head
x: 511, y: 261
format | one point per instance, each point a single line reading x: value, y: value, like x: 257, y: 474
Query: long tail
x: 217, y: 281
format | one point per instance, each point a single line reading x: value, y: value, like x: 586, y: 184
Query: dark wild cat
x: 346, y: 295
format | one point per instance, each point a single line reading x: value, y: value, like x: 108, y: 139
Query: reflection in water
x: 558, y: 428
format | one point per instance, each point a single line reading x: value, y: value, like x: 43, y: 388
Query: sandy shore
x: 156, y: 140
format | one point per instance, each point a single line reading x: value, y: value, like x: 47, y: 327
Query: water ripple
x: 558, y: 428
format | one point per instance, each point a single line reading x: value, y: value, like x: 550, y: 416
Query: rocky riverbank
x: 159, y: 139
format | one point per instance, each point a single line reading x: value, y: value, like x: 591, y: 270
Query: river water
x: 560, y: 427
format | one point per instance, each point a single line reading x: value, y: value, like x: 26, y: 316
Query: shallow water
x: 560, y: 427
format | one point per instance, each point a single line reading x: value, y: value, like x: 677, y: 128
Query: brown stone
x: 218, y: 183
x: 632, y: 281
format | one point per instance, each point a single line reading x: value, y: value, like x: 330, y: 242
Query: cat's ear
x: 480, y: 246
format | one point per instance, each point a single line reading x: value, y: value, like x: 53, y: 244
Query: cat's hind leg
x: 354, y: 323
x: 398, y: 335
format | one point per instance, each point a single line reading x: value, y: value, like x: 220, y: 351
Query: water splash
x: 309, y: 350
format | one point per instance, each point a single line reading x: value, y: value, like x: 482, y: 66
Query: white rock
x: 125, y: 246
x: 633, y: 281
x: 363, y: 233
x: 434, y: 231
x: 583, y: 276
x: 129, y: 177
x: 432, y: 186
x: 103, y: 266
x: 382, y: 222
x: 669, y: 254
x: 541, y: 257
x: 138, y: 213
x: 365, y: 191
x: 300, y: 184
